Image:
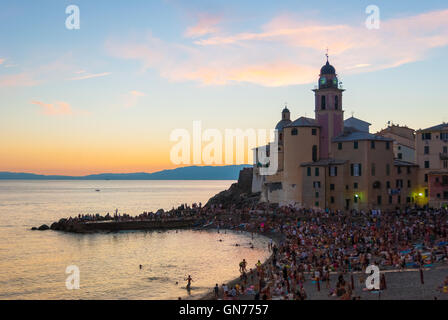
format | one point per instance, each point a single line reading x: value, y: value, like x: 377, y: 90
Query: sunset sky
x: 106, y: 97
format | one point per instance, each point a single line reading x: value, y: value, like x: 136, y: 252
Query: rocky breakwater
x: 239, y: 194
x: 114, y: 226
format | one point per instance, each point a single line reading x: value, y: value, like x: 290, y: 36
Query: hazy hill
x: 183, y: 173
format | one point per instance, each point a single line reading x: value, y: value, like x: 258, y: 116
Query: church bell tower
x: 328, y: 108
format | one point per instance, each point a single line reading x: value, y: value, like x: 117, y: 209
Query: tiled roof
x: 351, y: 134
x: 442, y: 126
x: 323, y: 162
x: 303, y: 122
x: 404, y: 163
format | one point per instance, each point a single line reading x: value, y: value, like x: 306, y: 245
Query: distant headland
x: 183, y: 173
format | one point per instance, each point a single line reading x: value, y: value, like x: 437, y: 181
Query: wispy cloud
x: 23, y: 79
x: 132, y: 97
x: 287, y: 50
x: 90, y: 75
x: 2, y: 60
x: 59, y: 108
x: 206, y: 24
x: 54, y: 109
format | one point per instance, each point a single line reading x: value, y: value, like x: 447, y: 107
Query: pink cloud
x: 23, y: 79
x: 2, y: 60
x: 90, y: 76
x: 131, y: 98
x: 205, y: 25
x: 58, y: 108
x: 288, y: 50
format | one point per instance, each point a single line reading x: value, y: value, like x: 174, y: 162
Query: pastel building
x: 432, y: 159
x: 329, y: 162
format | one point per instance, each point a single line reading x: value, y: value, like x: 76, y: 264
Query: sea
x: 48, y: 265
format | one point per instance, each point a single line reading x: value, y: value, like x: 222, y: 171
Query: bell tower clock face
x: 335, y: 81
x: 323, y: 80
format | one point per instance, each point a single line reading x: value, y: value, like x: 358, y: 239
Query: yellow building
x: 326, y: 162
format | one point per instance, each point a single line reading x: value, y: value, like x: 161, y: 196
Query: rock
x: 34, y: 228
x: 55, y: 226
x: 43, y: 227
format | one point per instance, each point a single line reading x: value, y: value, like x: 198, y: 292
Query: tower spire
x: 326, y: 54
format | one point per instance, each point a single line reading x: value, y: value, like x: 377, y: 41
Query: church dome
x: 282, y: 124
x: 327, y: 69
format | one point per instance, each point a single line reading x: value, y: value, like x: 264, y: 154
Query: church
x: 328, y: 162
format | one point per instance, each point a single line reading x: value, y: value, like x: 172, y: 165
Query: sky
x: 107, y: 96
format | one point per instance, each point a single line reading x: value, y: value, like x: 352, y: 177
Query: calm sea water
x: 33, y: 263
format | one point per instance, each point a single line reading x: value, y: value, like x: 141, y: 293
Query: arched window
x: 323, y: 104
x: 336, y: 103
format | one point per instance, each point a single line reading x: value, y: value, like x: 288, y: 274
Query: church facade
x: 328, y: 162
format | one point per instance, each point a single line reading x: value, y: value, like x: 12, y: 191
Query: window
x: 408, y: 199
x: 340, y: 146
x: 373, y: 170
x: 445, y: 195
x: 408, y: 169
x: 317, y: 203
x: 317, y: 194
x: 426, y: 150
x: 426, y: 193
x: 445, y: 164
x: 372, y: 144
x: 409, y: 183
x: 400, y: 156
x: 332, y: 187
x: 426, y: 177
x: 445, y: 180
x: 333, y: 171
x: 314, y: 153
x: 445, y: 149
x: 388, y: 169
x: 399, y: 184
x: 444, y: 136
x: 316, y: 172
x: 390, y: 199
x: 294, y: 132
x: 355, y: 185
x: 399, y: 200
x: 356, y: 169
x: 314, y: 132
x: 388, y: 184
x: 355, y: 199
x: 323, y: 103
x: 426, y: 136
x: 332, y: 199
x: 426, y: 164
x: 387, y: 145
x: 308, y: 171
x: 355, y: 145
x: 379, y: 200
x: 316, y: 184
x: 398, y: 170
x: 336, y: 103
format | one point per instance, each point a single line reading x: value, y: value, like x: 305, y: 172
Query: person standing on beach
x: 216, y: 290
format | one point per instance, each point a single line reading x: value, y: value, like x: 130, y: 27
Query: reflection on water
x: 32, y: 263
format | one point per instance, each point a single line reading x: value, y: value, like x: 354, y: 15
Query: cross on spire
x: 326, y: 54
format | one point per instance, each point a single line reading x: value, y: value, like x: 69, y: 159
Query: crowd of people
x: 313, y: 244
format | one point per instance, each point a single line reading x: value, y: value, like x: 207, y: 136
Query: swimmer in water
x: 189, y: 280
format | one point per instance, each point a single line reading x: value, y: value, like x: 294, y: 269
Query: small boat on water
x: 97, y: 190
